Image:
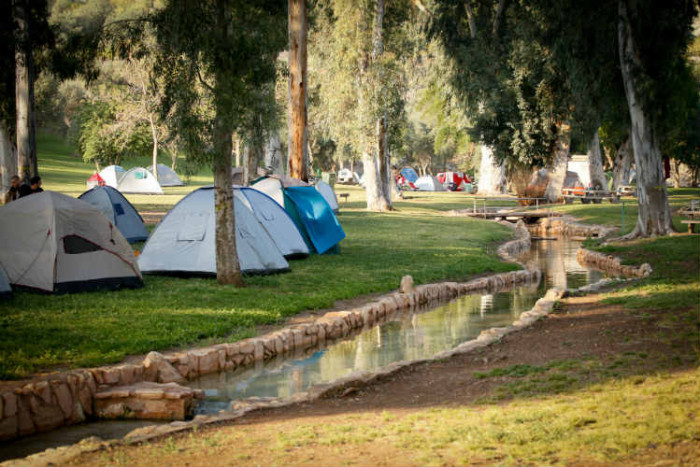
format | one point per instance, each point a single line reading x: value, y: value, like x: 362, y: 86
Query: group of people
x: 19, y: 190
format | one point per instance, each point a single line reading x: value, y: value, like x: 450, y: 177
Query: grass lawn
x: 44, y: 331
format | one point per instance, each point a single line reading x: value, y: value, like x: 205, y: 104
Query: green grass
x: 612, y: 214
x: 41, y: 331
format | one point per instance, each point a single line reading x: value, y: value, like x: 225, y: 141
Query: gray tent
x: 5, y: 288
x: 184, y: 241
x: 167, y: 176
x: 119, y: 211
x: 55, y: 243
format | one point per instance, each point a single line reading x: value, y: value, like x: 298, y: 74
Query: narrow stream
x: 408, y: 336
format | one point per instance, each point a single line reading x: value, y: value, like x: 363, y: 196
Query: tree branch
x: 421, y: 6
x: 472, y: 20
x: 497, y: 19
x: 209, y: 87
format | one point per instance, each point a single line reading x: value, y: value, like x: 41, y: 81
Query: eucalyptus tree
x: 212, y: 56
x: 355, y: 51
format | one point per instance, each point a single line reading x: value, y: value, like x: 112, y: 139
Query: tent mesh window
x: 118, y: 209
x: 75, y: 245
x: 140, y: 175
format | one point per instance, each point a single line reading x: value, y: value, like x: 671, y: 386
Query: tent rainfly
x: 95, y: 180
x: 310, y: 211
x: 184, y: 241
x: 5, y: 287
x: 55, y: 243
x: 167, y: 176
x: 429, y: 183
x: 112, y: 175
x: 314, y: 218
x: 328, y: 194
x: 141, y: 181
x: 409, y: 174
x: 119, y: 211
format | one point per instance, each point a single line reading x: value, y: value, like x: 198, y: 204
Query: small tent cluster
x: 137, y: 180
x: 184, y: 241
x: 311, y: 213
x: 54, y: 243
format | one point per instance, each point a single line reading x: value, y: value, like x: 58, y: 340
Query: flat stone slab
x: 146, y: 401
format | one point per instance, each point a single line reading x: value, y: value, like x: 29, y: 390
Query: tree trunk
x: 557, y: 171
x: 298, y: 132
x: 622, y: 165
x: 595, y: 164
x: 154, y: 136
x: 654, y: 216
x: 491, y: 175
x: 33, y: 158
x: 228, y: 270
x: 22, y: 98
x: 375, y: 199
x: 8, y: 167
x: 384, y: 190
x: 676, y: 173
x: 273, y: 154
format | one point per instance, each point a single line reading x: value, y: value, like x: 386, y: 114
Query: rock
x: 164, y: 370
x: 64, y: 397
x: 148, y: 401
x: 406, y: 285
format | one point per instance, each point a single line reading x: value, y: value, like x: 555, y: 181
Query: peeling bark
x: 595, y: 164
x: 8, y: 167
x: 557, y: 171
x: 654, y: 216
x: 622, y: 165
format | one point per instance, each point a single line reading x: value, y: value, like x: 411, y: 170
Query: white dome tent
x: 429, y: 183
x: 328, y: 194
x: 167, y: 176
x: 140, y: 181
x: 54, y: 243
x: 119, y: 211
x: 184, y: 241
x: 276, y: 221
x: 112, y: 174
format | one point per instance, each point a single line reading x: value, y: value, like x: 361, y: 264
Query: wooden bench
x: 691, y: 223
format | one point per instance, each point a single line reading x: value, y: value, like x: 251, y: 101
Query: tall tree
x: 298, y: 89
x: 213, y: 56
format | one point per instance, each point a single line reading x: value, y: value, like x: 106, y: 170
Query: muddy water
x: 410, y: 335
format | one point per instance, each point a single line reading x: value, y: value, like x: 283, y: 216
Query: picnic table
x: 692, y: 212
x: 587, y: 195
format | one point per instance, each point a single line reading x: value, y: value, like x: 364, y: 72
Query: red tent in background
x: 455, y: 179
x: 95, y: 180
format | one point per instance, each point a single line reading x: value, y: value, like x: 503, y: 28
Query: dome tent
x: 167, y: 176
x: 184, y: 241
x: 5, y: 287
x: 141, y: 181
x: 111, y: 175
x: 429, y: 183
x: 119, y: 211
x: 328, y: 194
x: 311, y: 213
x: 55, y: 243
x: 276, y: 221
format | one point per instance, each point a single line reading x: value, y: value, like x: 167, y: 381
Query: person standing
x: 13, y: 193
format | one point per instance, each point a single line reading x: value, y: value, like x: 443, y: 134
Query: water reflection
x: 409, y: 336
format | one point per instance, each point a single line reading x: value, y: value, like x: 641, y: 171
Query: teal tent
x: 314, y: 217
